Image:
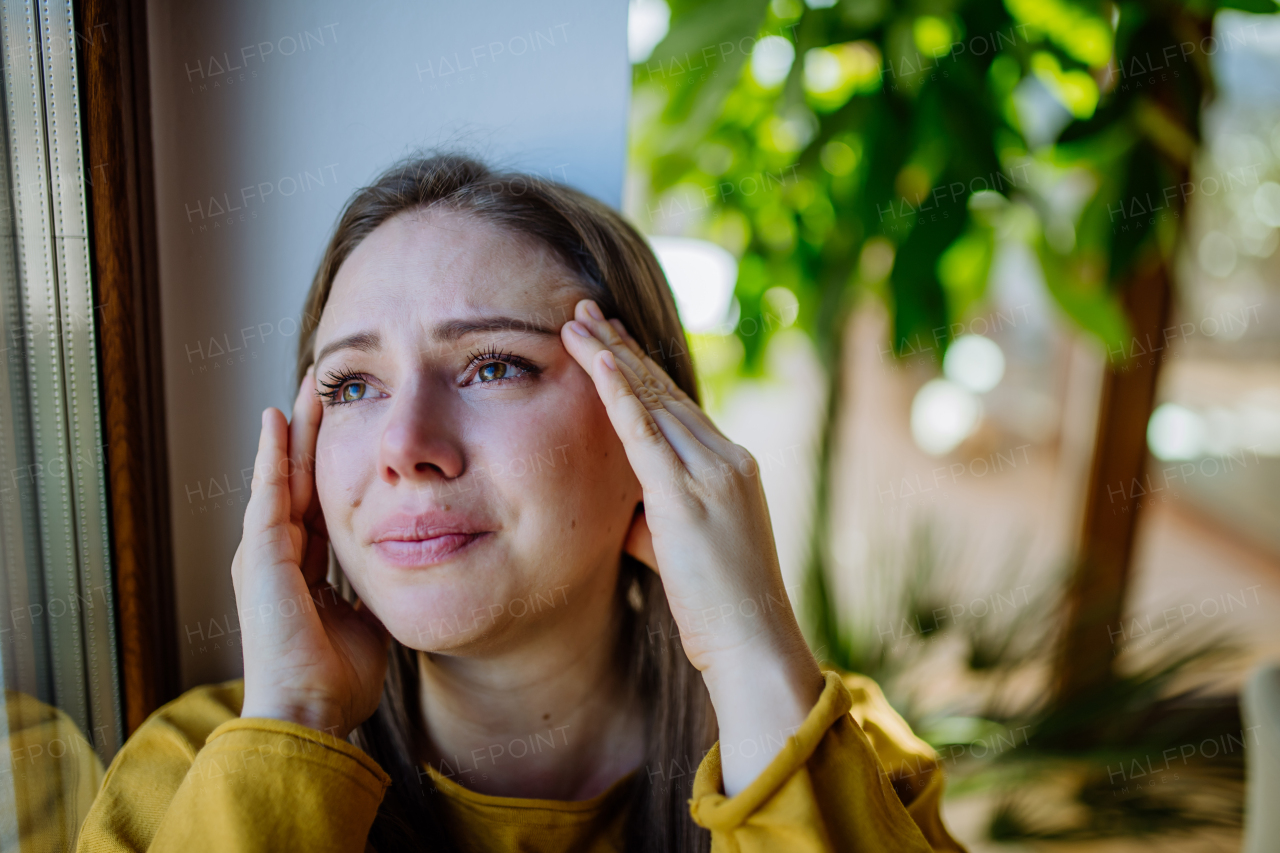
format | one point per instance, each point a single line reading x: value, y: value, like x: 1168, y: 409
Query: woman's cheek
x: 342, y: 466
x: 597, y: 487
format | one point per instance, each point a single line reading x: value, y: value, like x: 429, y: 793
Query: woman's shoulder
x: 148, y: 770
x: 176, y: 731
x: 194, y: 715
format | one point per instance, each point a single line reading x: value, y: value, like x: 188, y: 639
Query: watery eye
x: 491, y: 371
x: 352, y: 391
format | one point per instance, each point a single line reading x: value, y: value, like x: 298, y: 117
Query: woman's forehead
x: 431, y: 266
x: 446, y: 247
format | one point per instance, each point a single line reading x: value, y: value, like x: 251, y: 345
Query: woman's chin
x: 447, y: 607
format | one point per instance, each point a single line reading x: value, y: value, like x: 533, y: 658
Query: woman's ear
x: 639, y: 542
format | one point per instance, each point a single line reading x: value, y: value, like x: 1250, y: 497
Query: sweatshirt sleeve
x: 197, y: 778
x: 852, y: 778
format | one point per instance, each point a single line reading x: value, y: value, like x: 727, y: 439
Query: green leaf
x: 1079, y: 285
x: 700, y: 61
x: 920, y: 317
x: 964, y: 269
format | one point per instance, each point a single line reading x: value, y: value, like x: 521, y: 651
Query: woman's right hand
x: 309, y: 656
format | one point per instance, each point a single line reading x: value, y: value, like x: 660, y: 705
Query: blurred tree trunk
x: 818, y: 595
x: 1096, y: 594
x: 1167, y: 117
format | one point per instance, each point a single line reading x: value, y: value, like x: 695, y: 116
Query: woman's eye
x: 352, y: 391
x: 493, y: 371
x: 342, y: 386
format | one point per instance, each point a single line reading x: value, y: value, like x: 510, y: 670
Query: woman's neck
x: 552, y: 718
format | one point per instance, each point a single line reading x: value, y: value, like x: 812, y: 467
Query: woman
x: 564, y: 579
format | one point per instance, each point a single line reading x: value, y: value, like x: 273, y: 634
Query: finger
x: 648, y: 373
x: 269, y: 490
x: 653, y: 459
x: 613, y: 333
x: 584, y: 346
x: 303, y: 429
x: 675, y: 400
x: 632, y: 343
x: 656, y: 368
x: 688, y: 445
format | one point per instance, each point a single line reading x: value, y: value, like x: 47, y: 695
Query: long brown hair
x: 620, y: 272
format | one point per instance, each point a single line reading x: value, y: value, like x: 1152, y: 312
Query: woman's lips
x: 413, y: 553
x: 425, y: 538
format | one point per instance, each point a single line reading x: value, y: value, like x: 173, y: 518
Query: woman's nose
x: 417, y: 443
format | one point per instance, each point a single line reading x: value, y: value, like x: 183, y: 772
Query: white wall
x: 266, y: 116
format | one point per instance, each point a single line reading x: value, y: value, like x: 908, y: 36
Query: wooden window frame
x: 112, y: 41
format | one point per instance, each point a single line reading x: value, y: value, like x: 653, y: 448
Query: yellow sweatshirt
x: 197, y: 777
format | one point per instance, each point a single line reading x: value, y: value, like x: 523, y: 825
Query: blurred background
x: 990, y: 291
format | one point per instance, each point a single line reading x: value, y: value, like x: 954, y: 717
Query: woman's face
x: 472, y: 485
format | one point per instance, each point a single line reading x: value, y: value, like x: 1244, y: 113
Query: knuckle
x: 647, y: 429
x: 622, y: 391
x: 648, y: 396
x: 742, y: 460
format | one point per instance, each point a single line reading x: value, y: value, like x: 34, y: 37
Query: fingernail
x: 594, y: 310
x: 608, y: 362
x: 580, y: 329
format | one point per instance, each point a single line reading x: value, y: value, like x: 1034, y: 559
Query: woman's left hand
x: 712, y: 545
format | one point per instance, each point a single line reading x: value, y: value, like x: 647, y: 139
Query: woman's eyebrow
x: 362, y: 341
x: 454, y: 329
x: 449, y: 331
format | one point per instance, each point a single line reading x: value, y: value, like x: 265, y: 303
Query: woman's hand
x: 309, y: 656
x: 705, y: 528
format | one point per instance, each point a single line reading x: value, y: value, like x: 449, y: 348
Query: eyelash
x: 337, y: 379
